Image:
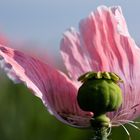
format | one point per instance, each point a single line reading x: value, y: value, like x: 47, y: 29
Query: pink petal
x: 105, y: 43
x: 73, y: 54
x: 56, y: 91
x: 3, y: 40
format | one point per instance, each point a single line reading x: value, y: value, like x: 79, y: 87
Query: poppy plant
x: 105, y: 59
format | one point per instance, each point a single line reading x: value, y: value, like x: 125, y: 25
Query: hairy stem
x: 100, y: 134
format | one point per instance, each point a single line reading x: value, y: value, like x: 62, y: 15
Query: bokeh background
x: 39, y: 24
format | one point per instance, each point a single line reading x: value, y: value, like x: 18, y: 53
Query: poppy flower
x: 102, y: 43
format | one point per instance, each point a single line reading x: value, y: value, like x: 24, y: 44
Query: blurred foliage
x: 24, y: 117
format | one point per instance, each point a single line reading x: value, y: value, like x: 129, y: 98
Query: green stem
x: 100, y: 134
x: 100, y: 123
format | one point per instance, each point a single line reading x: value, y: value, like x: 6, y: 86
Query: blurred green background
x: 24, y: 117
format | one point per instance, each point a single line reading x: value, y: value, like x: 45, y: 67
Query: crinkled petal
x: 105, y: 42
x: 73, y: 54
x: 56, y: 91
x: 111, y: 48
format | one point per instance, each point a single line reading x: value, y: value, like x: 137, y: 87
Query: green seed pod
x: 99, y: 95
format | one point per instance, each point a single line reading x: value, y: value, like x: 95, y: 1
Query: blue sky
x: 44, y: 21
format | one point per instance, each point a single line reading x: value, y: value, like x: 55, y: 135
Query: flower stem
x: 100, y: 134
x: 100, y: 125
